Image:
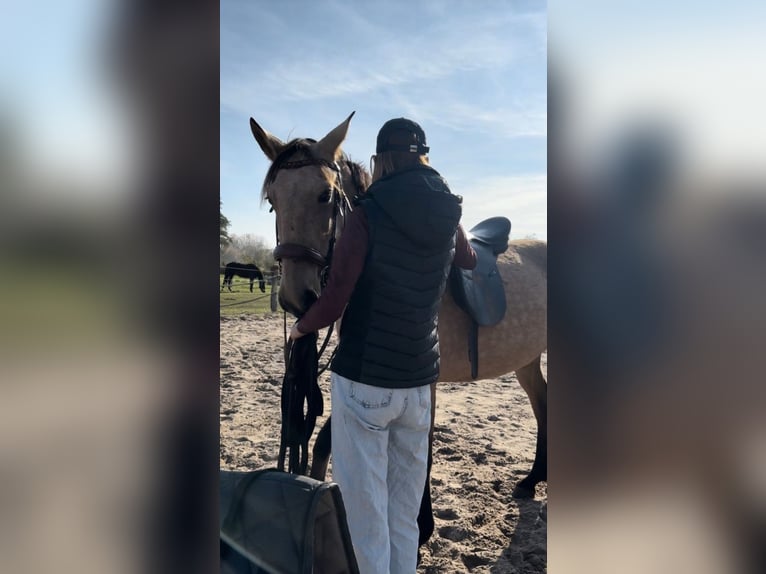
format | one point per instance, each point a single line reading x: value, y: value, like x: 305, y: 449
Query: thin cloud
x: 389, y: 62
x: 473, y: 70
x: 311, y: 79
x: 522, y: 120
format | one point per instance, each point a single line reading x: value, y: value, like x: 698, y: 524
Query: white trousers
x: 379, y: 460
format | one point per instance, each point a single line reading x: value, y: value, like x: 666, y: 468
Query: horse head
x: 261, y: 280
x: 308, y: 186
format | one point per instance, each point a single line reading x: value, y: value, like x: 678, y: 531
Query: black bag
x: 279, y: 523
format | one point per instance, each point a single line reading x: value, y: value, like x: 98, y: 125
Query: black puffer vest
x: 388, y: 336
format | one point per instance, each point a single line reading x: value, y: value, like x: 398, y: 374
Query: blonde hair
x: 387, y: 162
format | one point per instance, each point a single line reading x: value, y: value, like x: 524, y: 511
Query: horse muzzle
x: 298, y: 308
x: 298, y: 295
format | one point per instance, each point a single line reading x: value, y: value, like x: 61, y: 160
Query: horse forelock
x: 303, y: 148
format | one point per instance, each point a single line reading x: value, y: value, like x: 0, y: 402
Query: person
x: 389, y: 273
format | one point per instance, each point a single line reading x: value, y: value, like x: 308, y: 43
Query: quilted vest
x: 388, y: 336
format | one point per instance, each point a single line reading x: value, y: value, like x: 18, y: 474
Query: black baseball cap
x: 401, y: 134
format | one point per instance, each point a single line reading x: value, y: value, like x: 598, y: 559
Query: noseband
x: 298, y: 252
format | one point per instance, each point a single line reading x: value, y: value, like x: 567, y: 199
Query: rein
x: 296, y: 251
x: 298, y: 375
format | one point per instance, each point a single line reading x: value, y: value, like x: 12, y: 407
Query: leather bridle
x: 341, y: 204
x: 298, y: 252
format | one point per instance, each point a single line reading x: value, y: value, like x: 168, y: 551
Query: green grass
x: 241, y: 301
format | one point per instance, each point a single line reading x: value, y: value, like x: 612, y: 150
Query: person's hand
x: 295, y: 333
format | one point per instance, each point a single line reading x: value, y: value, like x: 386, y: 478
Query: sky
x: 472, y: 74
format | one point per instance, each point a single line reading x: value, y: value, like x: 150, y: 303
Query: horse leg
x: 321, y: 452
x: 426, y: 514
x: 251, y: 284
x: 532, y: 381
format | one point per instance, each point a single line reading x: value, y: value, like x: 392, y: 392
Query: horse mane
x: 359, y: 174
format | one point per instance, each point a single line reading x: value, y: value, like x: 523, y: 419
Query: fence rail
x: 272, y: 280
x: 247, y: 301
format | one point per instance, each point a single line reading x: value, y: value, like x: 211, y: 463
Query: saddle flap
x: 479, y: 291
x: 493, y: 232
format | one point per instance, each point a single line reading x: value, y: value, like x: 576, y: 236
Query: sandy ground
x: 483, y: 444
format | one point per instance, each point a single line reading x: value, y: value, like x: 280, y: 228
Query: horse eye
x: 325, y: 196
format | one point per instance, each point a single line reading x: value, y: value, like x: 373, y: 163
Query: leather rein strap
x: 296, y: 433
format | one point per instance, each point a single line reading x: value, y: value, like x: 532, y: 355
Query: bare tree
x: 224, y: 227
x: 249, y: 248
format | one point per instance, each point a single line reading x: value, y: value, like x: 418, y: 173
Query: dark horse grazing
x: 244, y: 270
x: 301, y: 186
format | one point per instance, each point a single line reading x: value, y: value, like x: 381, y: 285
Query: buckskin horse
x: 244, y: 270
x: 310, y: 185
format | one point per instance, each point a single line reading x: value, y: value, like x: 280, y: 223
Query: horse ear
x: 329, y: 146
x: 271, y: 145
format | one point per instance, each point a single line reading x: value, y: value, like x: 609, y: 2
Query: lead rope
x: 286, y: 345
x: 285, y: 431
x: 329, y: 362
x: 322, y: 350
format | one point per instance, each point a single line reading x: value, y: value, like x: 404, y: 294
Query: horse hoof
x: 523, y: 491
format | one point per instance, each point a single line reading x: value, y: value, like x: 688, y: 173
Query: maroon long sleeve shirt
x: 347, y: 265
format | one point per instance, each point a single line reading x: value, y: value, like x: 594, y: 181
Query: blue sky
x: 473, y: 74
